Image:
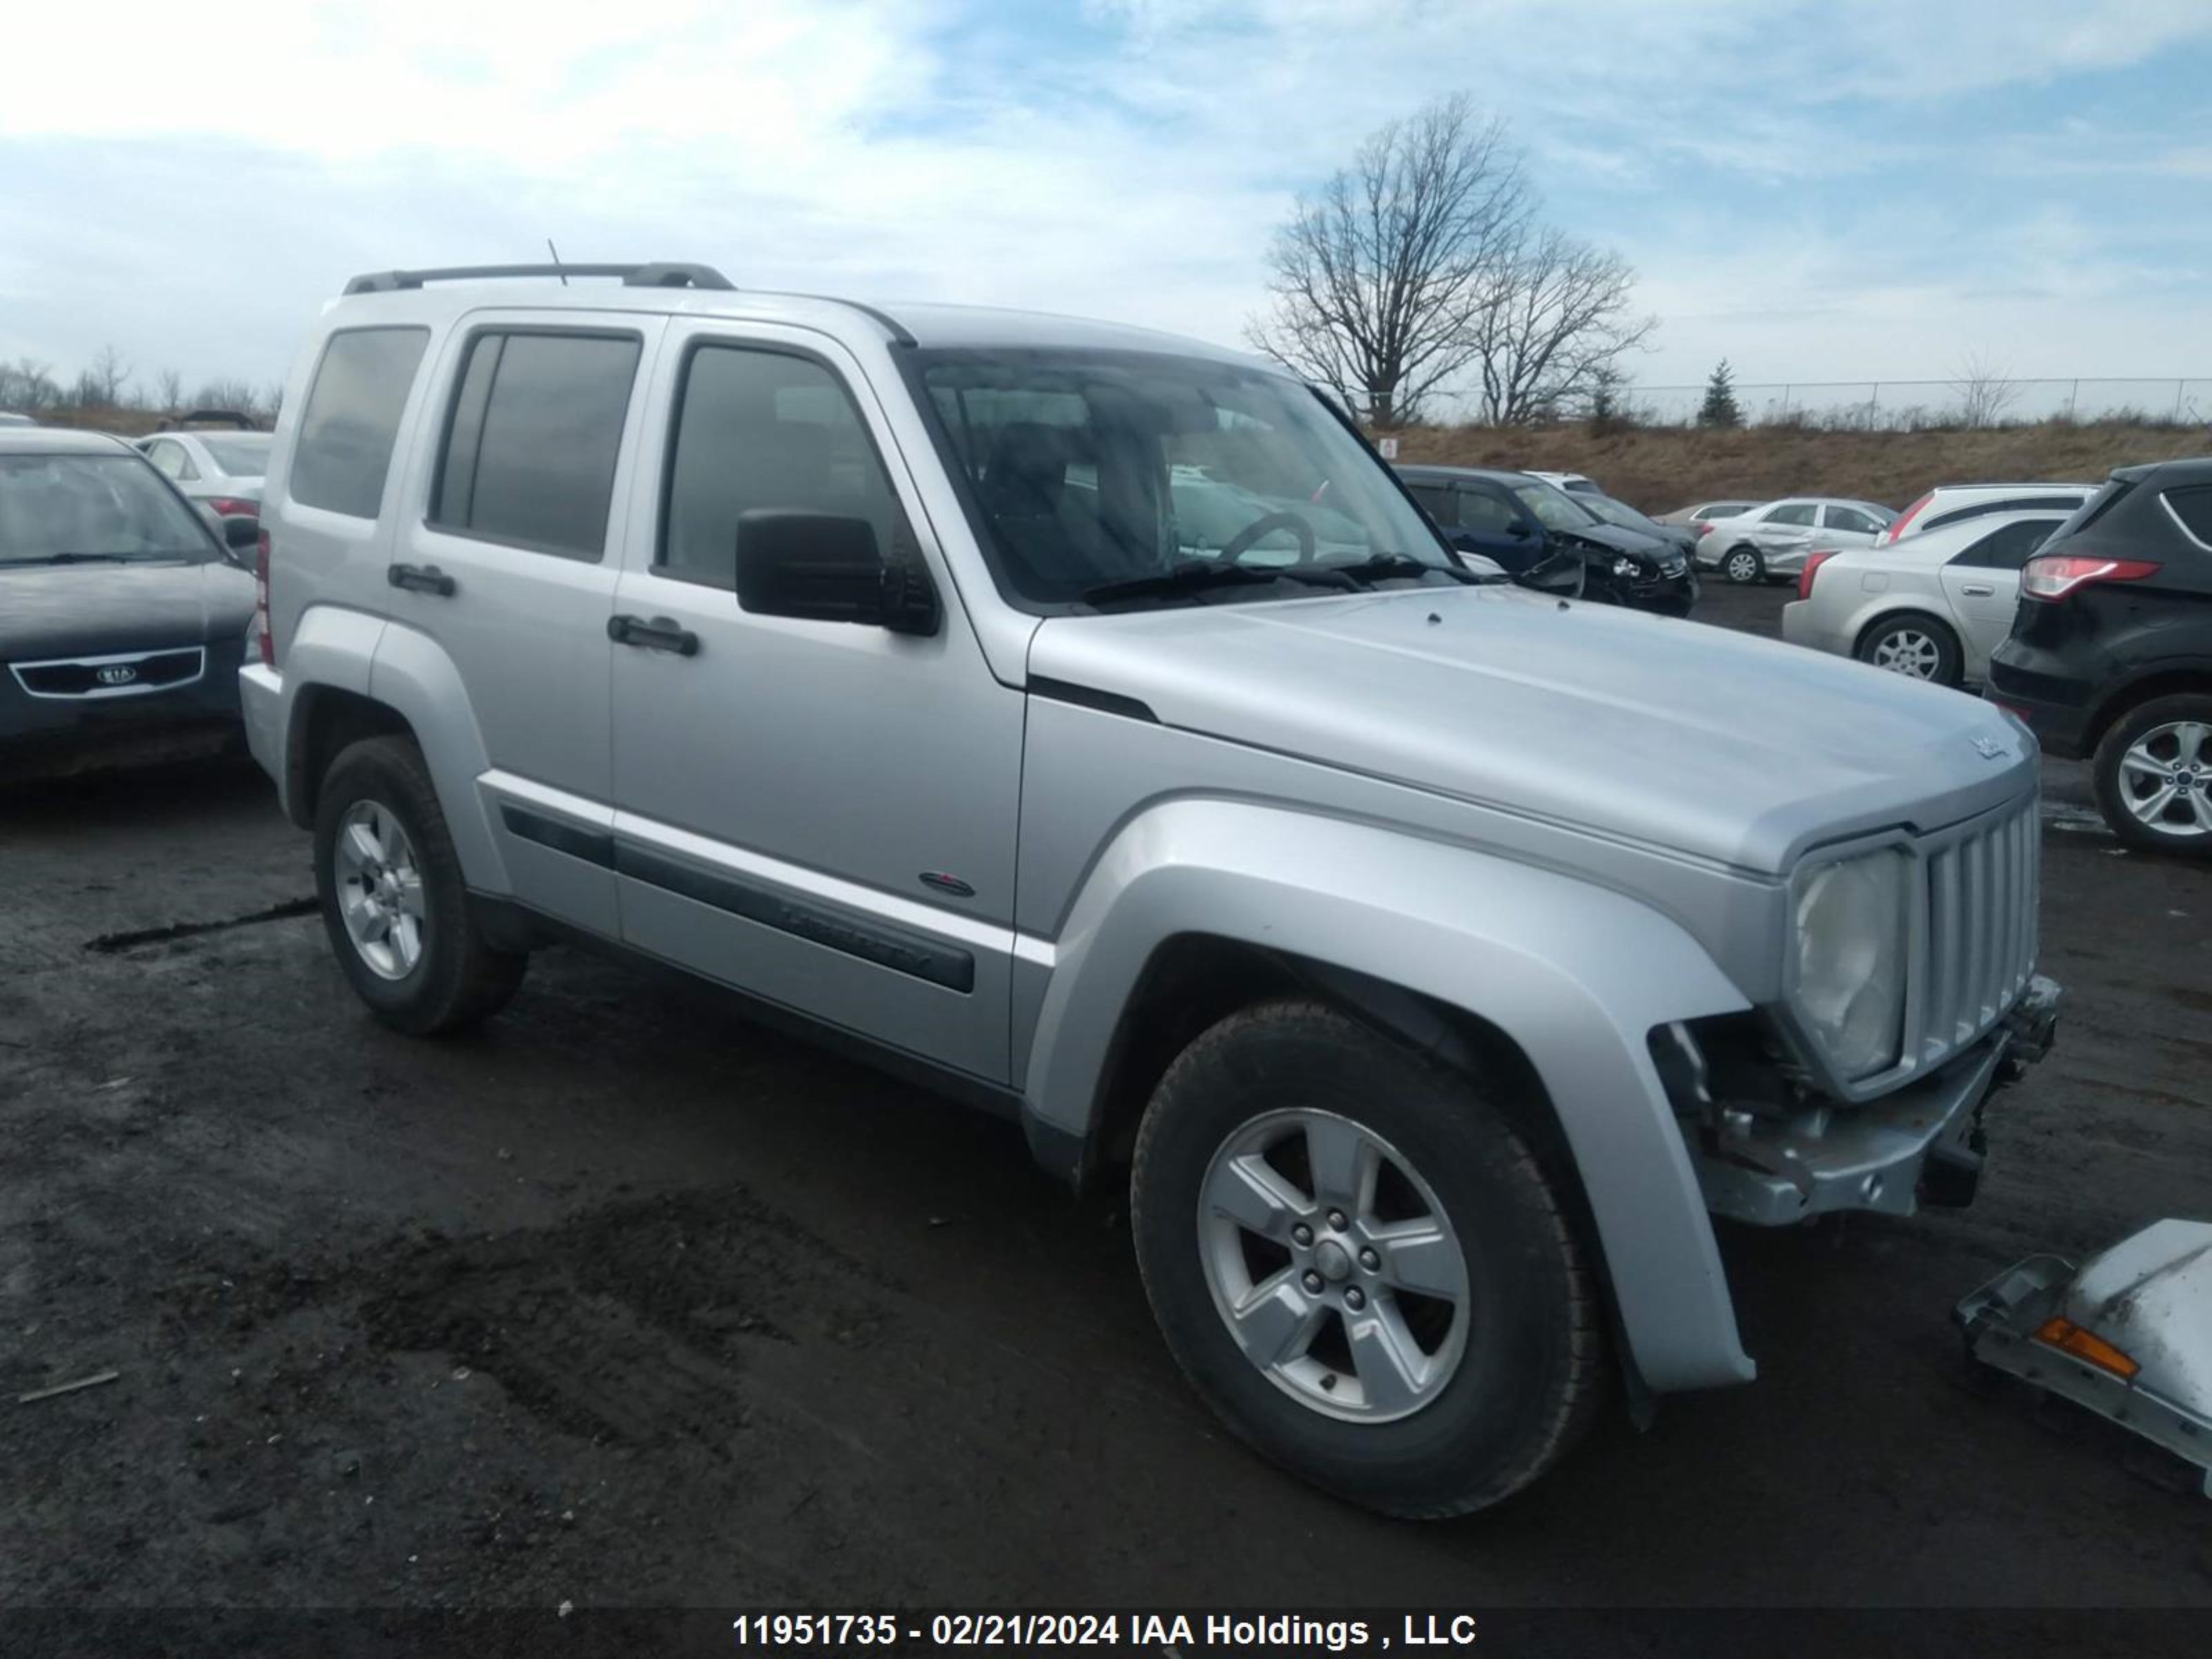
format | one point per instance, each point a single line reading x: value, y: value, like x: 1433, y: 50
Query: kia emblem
x: 116, y: 673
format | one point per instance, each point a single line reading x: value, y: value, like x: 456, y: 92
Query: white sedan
x: 1772, y: 540
x: 1932, y: 606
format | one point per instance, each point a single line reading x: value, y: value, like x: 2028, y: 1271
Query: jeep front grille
x: 1977, y: 901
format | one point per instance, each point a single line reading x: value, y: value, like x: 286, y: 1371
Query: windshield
x: 1089, y: 470
x: 57, y: 508
x: 1554, y: 509
x: 241, y: 455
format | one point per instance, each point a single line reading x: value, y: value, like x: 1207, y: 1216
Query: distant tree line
x: 107, y: 384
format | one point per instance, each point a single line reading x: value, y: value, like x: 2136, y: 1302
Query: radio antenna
x: 555, y: 252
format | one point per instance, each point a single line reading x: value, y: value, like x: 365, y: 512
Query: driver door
x: 1495, y: 527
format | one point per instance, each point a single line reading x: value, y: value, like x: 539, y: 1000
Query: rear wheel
x: 1360, y: 1266
x: 1917, y: 647
x: 2153, y: 776
x: 1742, y: 565
x: 393, y: 900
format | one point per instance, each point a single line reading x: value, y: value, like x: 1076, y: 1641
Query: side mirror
x: 1518, y: 530
x: 825, y: 567
x: 241, y: 534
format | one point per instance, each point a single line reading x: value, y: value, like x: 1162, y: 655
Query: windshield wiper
x: 1381, y: 565
x: 1192, y: 576
x: 76, y: 558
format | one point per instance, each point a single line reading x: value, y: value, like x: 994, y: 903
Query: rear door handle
x: 1976, y: 590
x: 661, y: 634
x: 421, y: 578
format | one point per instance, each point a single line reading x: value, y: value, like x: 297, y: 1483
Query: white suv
x: 1950, y: 504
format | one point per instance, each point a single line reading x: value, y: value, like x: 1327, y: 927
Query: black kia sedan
x: 123, y: 610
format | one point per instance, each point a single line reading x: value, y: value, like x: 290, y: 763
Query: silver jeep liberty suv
x: 1084, y: 720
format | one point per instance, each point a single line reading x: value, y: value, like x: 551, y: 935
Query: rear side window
x: 2193, y: 507
x: 1850, y: 517
x: 1795, y: 513
x: 2012, y: 504
x: 352, y: 418
x: 530, y: 446
x: 762, y: 429
x: 2007, y: 547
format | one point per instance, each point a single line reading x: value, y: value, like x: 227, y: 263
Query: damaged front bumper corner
x: 1921, y: 1144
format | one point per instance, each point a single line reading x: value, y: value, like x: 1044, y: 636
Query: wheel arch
x: 1909, y: 607
x: 2116, y: 705
x: 1472, y: 958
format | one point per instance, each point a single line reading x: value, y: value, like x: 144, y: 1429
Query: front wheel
x: 393, y: 900
x: 2152, y: 775
x: 1743, y: 565
x: 1360, y: 1266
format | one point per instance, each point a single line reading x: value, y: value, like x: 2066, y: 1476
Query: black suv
x: 2110, y: 651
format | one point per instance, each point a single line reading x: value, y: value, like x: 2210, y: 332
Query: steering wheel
x: 1241, y: 543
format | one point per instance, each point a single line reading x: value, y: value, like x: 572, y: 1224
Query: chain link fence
x: 1907, y: 406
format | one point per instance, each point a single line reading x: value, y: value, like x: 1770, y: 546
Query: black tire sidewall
x: 388, y: 772
x: 1493, y: 1421
x: 2104, y: 773
x: 1949, y: 659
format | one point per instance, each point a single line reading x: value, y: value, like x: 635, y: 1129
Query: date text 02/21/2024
x: 773, y: 1631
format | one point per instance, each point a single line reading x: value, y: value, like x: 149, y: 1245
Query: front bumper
x: 1922, y: 1143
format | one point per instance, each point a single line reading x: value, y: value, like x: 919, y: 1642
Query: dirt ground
x: 627, y: 1302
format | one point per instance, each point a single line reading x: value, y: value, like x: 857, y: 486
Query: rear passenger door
x: 820, y: 813
x: 1982, y: 582
x: 500, y: 565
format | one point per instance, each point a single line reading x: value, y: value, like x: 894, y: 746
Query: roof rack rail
x: 661, y: 273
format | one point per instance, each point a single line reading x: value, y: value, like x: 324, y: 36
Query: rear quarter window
x: 352, y: 419
x: 2192, y: 505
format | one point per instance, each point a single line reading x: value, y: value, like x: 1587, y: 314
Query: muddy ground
x: 627, y: 1302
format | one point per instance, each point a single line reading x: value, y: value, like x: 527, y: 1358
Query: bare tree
x: 28, y: 387
x: 108, y: 381
x: 232, y: 393
x: 1554, y: 318
x: 1377, y: 274
x: 170, y: 390
x: 1985, y: 390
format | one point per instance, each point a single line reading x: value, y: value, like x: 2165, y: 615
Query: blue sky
x: 1838, y: 190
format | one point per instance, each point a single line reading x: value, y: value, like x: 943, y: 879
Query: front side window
x: 1488, y: 512
x: 352, y: 419
x: 1198, y: 482
x: 1438, y: 499
x: 2008, y: 547
x: 61, y: 509
x: 530, y: 446
x: 1553, y: 508
x: 756, y: 427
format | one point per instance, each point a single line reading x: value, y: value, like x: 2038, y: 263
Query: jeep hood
x: 1743, y: 751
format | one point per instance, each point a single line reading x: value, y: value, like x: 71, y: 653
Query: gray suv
x: 1085, y: 720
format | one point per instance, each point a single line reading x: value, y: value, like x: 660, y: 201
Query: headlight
x: 1850, y: 951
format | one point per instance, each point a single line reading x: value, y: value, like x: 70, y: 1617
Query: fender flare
x: 1574, y: 974
x: 412, y: 674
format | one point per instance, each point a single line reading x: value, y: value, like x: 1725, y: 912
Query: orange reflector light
x: 2068, y: 1338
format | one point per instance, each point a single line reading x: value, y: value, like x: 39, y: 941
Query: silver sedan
x: 1931, y: 607
x: 221, y: 471
x: 1772, y: 540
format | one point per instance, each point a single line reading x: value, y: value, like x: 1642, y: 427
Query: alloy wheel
x: 1910, y: 652
x: 1333, y: 1265
x: 2166, y: 778
x: 380, y: 889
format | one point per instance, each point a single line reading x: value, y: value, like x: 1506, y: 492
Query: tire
x: 1916, y: 645
x: 451, y: 978
x: 1743, y: 565
x: 2166, y: 743
x: 1492, y: 1414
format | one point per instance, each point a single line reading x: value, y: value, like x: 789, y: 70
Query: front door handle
x: 1976, y: 590
x: 421, y: 578
x: 661, y: 634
